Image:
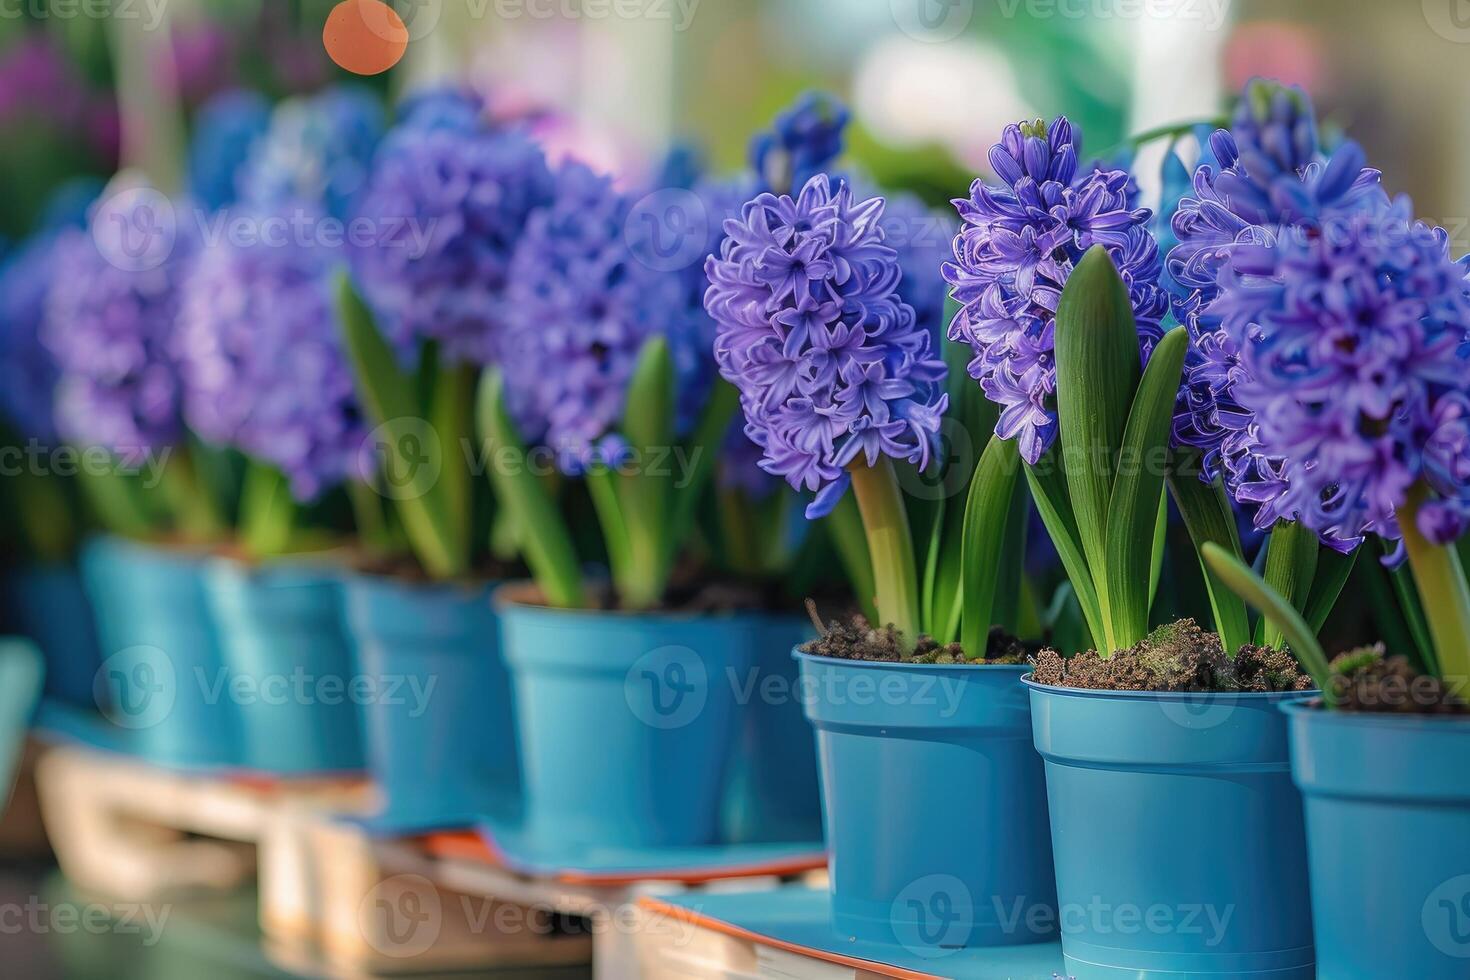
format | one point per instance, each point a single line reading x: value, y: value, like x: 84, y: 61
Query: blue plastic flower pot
x: 160, y: 679
x: 934, y: 803
x: 1388, y: 832
x: 286, y: 653
x: 627, y: 721
x: 772, y: 793
x: 51, y: 608
x: 438, y: 722
x: 1178, y: 835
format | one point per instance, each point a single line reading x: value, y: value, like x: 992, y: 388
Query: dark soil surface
x: 1367, y: 681
x: 854, y: 638
x: 1177, y: 657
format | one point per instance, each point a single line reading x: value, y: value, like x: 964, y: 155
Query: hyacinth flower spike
x: 1355, y: 373
x: 633, y: 409
x: 840, y: 388
x: 1266, y: 172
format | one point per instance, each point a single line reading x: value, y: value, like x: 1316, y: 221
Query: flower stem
x: 891, y: 545
x: 1445, y: 594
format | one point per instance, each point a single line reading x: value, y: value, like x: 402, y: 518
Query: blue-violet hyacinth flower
x: 1015, y: 250
x: 832, y: 366
x: 803, y: 141
x: 27, y: 368
x: 447, y: 204
x: 262, y: 363
x: 317, y: 150
x: 1353, y: 346
x: 226, y: 130
x: 1271, y: 173
x: 580, y: 306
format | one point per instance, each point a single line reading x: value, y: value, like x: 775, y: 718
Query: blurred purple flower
x: 831, y: 364
x: 448, y: 203
x: 1352, y: 341
x: 110, y: 323
x: 1013, y: 255
x: 262, y: 363
x: 580, y: 306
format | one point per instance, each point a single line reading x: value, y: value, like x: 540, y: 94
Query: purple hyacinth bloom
x: 832, y: 366
x: 1271, y: 173
x: 447, y: 203
x: 1352, y: 344
x: 261, y: 360
x: 110, y: 314
x: 804, y: 141
x: 317, y: 149
x: 580, y: 306
x: 1013, y: 255
x: 27, y: 369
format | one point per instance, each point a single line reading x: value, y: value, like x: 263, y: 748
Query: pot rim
x: 1286, y: 697
x: 504, y: 598
x: 1375, y: 719
x: 798, y: 654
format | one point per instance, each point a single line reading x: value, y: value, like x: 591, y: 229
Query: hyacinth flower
x: 264, y: 372
x: 110, y: 315
x: 629, y: 405
x: 1354, y: 347
x: 1266, y: 172
x: 840, y: 387
x: 448, y: 195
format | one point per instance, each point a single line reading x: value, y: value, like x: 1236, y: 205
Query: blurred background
x: 89, y: 86
x: 930, y: 82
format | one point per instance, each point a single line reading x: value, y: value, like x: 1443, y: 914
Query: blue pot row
x: 1190, y: 835
x: 299, y: 668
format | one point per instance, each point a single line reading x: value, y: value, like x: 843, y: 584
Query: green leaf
x: 386, y: 394
x: 1156, y: 559
x: 1097, y: 375
x: 845, y: 526
x: 267, y: 511
x: 929, y: 601
x: 451, y: 414
x: 1254, y: 590
x: 1049, y: 491
x: 1209, y: 519
x: 1291, y: 565
x: 545, y: 539
x: 987, y: 514
x: 646, y: 492
x: 1133, y: 511
x: 1333, y: 569
x: 603, y: 489
x: 1009, y: 590
x: 702, y: 453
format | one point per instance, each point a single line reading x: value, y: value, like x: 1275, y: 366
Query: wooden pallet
x: 126, y: 829
x: 339, y: 902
